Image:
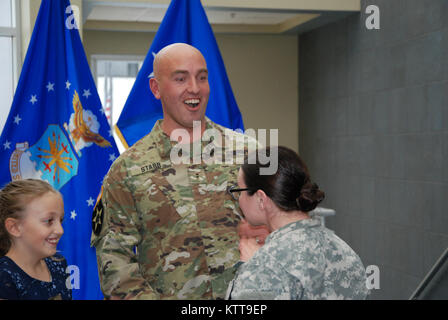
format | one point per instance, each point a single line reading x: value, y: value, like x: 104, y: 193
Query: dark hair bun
x: 289, y: 187
x: 310, y: 197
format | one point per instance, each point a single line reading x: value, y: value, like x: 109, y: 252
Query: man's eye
x: 179, y: 79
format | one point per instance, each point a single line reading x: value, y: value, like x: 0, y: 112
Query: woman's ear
x: 261, y: 199
x: 13, y: 227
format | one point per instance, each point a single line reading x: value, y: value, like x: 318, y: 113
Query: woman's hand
x: 248, y: 247
x: 245, y: 230
x: 251, y: 239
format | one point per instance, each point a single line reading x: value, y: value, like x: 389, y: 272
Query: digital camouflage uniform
x: 302, y: 260
x: 168, y: 231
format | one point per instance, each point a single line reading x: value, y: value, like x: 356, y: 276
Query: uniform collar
x: 165, y: 144
x: 293, y: 226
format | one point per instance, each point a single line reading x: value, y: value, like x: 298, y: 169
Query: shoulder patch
x: 98, y: 215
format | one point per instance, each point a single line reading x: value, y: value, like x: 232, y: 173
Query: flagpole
x: 121, y: 137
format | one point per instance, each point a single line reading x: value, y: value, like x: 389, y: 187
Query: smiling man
x: 169, y: 231
x: 181, y: 83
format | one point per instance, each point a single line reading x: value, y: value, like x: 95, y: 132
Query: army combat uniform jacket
x: 302, y: 260
x: 169, y: 231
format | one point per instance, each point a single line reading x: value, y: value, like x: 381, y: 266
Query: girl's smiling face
x: 40, y: 225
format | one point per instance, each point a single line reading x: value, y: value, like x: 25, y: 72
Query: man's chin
x: 194, y: 121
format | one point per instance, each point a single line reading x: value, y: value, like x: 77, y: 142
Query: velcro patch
x: 98, y: 215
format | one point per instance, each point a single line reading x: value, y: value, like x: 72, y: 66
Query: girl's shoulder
x: 11, y: 278
x: 5, y: 261
x: 7, y: 266
x: 16, y: 284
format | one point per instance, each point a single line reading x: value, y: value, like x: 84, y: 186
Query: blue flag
x: 184, y: 21
x: 57, y: 131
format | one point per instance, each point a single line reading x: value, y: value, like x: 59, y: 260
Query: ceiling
x: 225, y: 16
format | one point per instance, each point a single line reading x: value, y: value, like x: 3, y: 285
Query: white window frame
x: 113, y: 57
x: 15, y: 33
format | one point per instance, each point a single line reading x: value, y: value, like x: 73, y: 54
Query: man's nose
x: 193, y: 86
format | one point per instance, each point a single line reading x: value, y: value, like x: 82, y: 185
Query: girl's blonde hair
x: 13, y: 200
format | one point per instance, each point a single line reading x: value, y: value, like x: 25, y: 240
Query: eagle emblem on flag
x: 83, y: 128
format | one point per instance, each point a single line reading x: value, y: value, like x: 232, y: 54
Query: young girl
x: 31, y: 214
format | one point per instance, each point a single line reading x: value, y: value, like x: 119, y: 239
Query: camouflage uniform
x: 302, y: 260
x: 169, y: 231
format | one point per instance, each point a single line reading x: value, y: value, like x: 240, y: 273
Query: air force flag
x: 56, y: 131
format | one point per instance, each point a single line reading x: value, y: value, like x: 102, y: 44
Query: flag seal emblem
x: 50, y: 159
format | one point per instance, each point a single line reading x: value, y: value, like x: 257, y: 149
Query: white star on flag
x: 73, y: 215
x: 67, y: 85
x: 50, y: 86
x: 33, y: 99
x: 90, y: 202
x: 112, y: 157
x: 87, y: 93
x: 7, y: 145
x: 17, y: 119
x: 101, y: 110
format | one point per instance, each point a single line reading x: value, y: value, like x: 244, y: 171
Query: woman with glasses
x: 301, y: 259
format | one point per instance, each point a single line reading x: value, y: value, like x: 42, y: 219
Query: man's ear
x: 13, y: 227
x: 154, y: 86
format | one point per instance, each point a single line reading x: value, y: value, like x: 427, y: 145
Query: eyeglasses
x: 235, y: 192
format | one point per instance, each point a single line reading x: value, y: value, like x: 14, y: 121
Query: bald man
x: 168, y: 230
